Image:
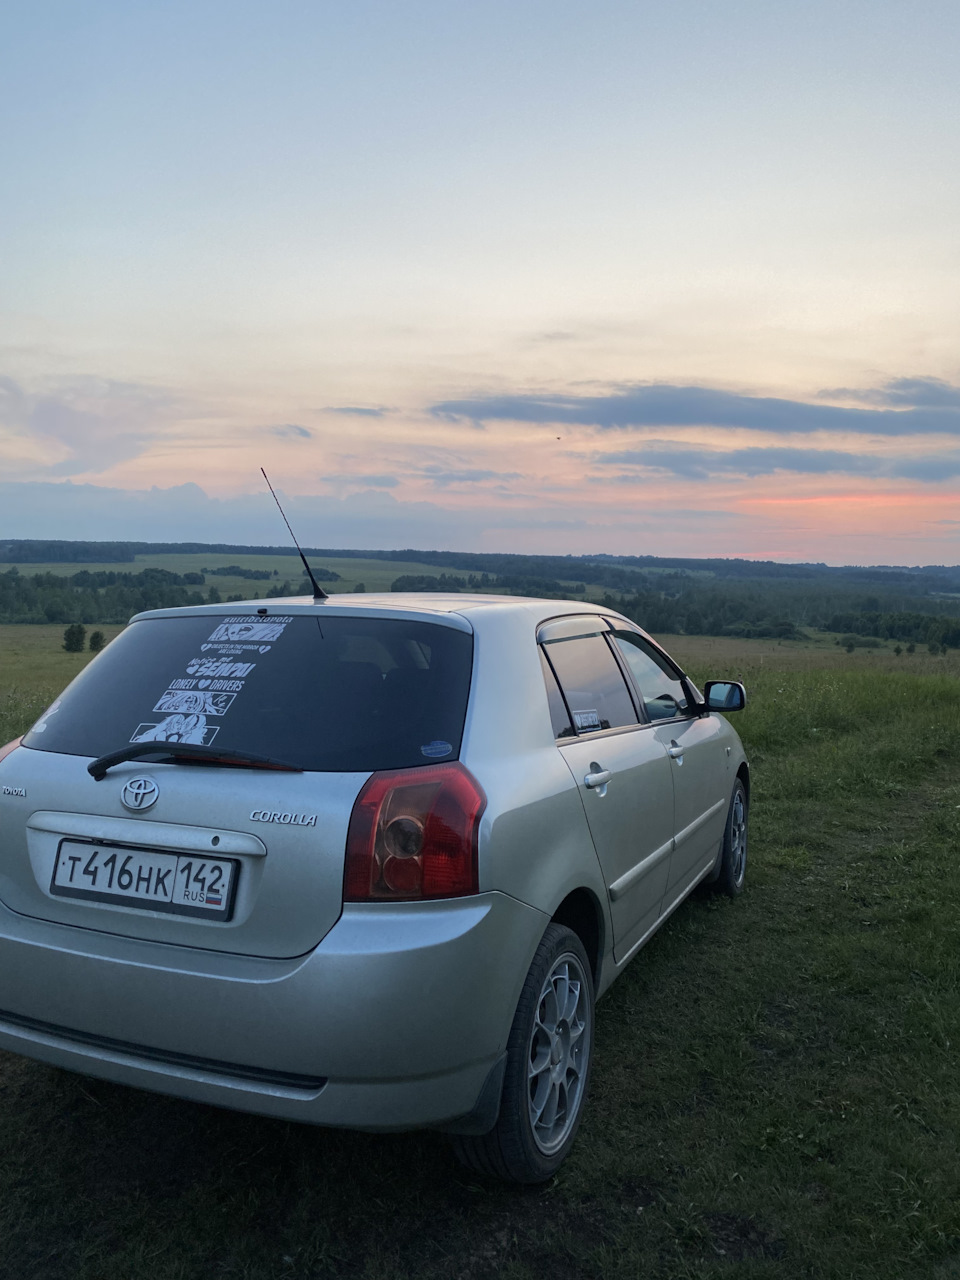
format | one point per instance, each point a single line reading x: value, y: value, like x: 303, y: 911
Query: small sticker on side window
x: 585, y: 720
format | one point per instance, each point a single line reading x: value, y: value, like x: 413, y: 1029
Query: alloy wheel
x: 558, y: 1053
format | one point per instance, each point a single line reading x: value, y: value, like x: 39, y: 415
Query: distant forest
x: 668, y: 595
x: 113, y: 596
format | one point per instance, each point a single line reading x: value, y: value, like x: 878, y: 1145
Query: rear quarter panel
x: 534, y: 840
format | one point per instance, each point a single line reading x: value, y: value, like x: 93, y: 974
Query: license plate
x: 184, y: 884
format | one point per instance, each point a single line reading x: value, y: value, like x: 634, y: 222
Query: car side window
x: 592, y: 683
x: 663, y: 692
x: 559, y: 716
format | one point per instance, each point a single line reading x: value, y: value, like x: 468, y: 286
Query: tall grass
x: 828, y: 733
x: 19, y: 708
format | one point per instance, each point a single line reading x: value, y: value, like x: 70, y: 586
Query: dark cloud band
x: 935, y: 407
x: 693, y: 463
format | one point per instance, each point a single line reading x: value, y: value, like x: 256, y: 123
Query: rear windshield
x: 326, y: 694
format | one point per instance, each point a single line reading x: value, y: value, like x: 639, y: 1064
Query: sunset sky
x: 641, y: 278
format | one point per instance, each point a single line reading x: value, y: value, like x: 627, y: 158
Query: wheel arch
x: 743, y: 773
x: 581, y: 912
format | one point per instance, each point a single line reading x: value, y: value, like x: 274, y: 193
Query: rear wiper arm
x: 186, y: 751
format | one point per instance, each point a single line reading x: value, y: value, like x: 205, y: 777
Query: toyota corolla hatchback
x: 366, y: 861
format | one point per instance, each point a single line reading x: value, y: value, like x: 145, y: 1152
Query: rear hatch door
x: 215, y: 851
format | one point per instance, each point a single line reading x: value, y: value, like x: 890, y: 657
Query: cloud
x: 695, y: 463
x: 88, y: 424
x: 185, y: 513
x: 599, y: 521
x: 443, y: 476
x: 926, y: 469
x: 665, y: 405
x: 369, y: 519
x: 291, y: 431
x: 903, y: 392
x: 373, y: 481
x: 357, y: 411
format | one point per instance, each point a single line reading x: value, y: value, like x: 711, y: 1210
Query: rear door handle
x: 598, y: 779
x: 674, y: 752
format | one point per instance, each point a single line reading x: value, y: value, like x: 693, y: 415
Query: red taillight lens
x: 10, y: 746
x: 413, y: 834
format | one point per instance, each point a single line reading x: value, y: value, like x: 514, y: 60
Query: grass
x: 33, y: 669
x: 774, y: 1091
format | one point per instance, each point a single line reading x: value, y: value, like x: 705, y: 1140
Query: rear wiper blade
x: 186, y: 751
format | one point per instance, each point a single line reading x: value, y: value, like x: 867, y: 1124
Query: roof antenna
x: 318, y: 591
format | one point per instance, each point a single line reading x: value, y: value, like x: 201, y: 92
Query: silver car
x: 365, y: 861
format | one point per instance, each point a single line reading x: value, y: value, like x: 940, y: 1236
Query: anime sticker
x: 194, y: 702
x: 246, y: 632
x: 177, y: 728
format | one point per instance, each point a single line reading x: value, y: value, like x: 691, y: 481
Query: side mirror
x: 725, y: 695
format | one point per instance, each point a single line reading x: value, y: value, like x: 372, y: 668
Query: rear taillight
x: 10, y: 746
x: 413, y: 834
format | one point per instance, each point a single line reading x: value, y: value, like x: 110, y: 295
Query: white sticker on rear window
x: 221, y: 667
x: 236, y: 650
x: 217, y: 686
x: 195, y: 701
x: 41, y: 725
x: 243, y: 631
x: 436, y: 749
x: 177, y: 728
x: 586, y: 720
x: 212, y: 682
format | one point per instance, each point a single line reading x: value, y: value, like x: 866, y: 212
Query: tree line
x: 696, y: 597
x: 86, y: 597
x: 109, y: 595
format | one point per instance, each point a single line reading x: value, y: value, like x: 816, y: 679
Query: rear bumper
x: 395, y: 1021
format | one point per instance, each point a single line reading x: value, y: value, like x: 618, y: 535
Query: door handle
x: 675, y: 752
x: 598, y: 779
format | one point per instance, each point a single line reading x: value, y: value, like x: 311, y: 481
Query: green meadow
x: 376, y: 575
x: 774, y: 1093
x: 372, y: 574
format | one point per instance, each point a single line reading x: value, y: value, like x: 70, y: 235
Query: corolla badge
x: 139, y: 794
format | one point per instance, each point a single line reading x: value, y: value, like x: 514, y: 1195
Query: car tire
x: 549, y: 1053
x: 733, y: 856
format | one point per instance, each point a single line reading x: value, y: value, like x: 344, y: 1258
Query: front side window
x: 592, y: 683
x: 663, y: 692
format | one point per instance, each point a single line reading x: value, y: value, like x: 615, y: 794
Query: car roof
x: 459, y: 610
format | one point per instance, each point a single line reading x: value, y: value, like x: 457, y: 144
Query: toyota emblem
x: 139, y: 794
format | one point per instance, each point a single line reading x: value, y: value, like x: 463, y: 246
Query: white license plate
x: 185, y: 884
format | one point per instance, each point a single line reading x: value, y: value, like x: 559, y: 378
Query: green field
x: 774, y: 1093
x: 374, y: 574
